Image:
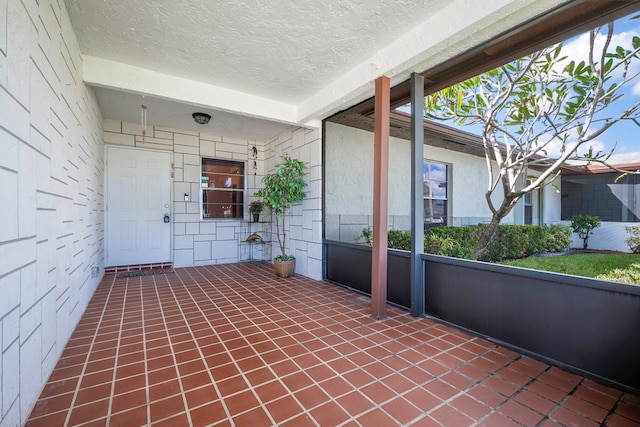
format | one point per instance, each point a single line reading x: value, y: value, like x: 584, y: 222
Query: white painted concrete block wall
x: 611, y: 236
x: 304, y: 223
x: 51, y: 187
x: 202, y: 242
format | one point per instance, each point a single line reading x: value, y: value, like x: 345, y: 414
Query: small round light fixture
x: 201, y: 118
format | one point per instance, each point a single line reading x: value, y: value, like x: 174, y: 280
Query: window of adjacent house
x: 222, y: 186
x: 435, y: 193
x: 528, y: 206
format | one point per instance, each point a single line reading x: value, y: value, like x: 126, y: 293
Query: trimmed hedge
x: 520, y: 241
x: 511, y: 242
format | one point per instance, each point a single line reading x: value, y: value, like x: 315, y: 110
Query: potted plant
x: 281, y: 189
x: 256, y: 207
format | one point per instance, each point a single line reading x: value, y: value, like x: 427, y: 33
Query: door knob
x: 166, y: 217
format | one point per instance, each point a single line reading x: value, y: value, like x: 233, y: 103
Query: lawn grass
x: 615, y: 267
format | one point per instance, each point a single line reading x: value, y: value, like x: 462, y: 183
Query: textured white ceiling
x: 120, y: 105
x: 284, y: 50
x: 284, y: 61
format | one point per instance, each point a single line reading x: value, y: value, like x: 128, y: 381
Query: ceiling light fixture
x: 201, y: 118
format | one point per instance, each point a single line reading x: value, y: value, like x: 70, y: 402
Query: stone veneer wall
x: 51, y: 183
x: 200, y: 242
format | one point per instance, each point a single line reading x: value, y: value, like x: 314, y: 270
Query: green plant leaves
x: 512, y: 241
x: 285, y: 186
x: 281, y: 190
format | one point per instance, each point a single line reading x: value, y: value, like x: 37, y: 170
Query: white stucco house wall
x: 349, y: 200
x: 349, y: 180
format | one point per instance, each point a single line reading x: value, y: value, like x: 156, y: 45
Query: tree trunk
x: 489, y: 233
x: 280, y: 240
x: 486, y: 236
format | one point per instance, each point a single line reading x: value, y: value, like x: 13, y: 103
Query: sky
x: 623, y: 136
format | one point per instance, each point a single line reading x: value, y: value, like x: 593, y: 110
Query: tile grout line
x: 417, y: 386
x: 234, y: 361
x: 331, y: 398
x: 116, y: 364
x: 487, y: 350
x: 267, y: 365
x: 559, y: 404
x: 173, y: 356
x: 508, y: 399
x: 315, y: 382
x: 613, y: 409
x: 376, y: 344
x: 248, y: 322
x: 144, y: 350
x: 84, y: 368
x: 301, y: 369
x: 213, y: 382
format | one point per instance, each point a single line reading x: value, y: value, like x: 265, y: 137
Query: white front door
x: 138, y: 198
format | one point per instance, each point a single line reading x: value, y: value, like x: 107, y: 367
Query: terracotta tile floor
x: 234, y: 345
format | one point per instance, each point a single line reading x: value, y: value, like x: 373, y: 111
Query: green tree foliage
x: 528, y: 105
x: 584, y: 226
x: 634, y: 238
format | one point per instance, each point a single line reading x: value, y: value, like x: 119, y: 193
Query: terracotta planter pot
x: 285, y: 268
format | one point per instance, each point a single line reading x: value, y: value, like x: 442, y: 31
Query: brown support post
x: 380, y: 198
